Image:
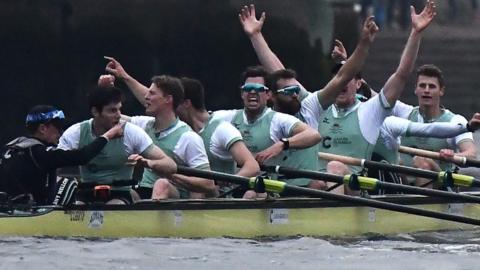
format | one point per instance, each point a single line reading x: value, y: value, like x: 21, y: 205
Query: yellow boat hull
x: 240, y: 219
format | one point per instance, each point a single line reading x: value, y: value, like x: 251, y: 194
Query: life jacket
x: 20, y: 171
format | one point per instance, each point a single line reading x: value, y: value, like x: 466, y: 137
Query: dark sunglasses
x: 257, y: 87
x: 289, y: 90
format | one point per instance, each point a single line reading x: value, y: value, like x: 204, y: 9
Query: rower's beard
x: 291, y: 107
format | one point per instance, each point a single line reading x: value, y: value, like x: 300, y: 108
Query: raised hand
x: 106, y: 81
x: 339, y: 53
x: 474, y: 123
x: 249, y: 20
x: 369, y: 29
x: 114, y: 67
x: 422, y: 20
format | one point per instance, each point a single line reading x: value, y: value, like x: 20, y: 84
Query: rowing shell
x: 234, y: 218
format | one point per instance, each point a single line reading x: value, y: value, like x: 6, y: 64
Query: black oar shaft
x: 417, y: 172
x: 472, y: 163
x: 380, y: 205
x: 290, y: 172
x: 276, y: 186
x: 428, y: 192
x: 400, y: 169
x: 446, y: 178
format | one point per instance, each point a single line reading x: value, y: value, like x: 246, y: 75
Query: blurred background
x: 52, y: 50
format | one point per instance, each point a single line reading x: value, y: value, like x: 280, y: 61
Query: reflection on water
x: 441, y: 250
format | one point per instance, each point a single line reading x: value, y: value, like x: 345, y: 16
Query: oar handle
x: 343, y: 159
x: 459, y: 160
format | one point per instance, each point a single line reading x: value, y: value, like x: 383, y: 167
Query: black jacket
x: 28, y: 165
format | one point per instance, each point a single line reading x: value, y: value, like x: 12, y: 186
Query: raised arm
x: 396, y: 83
x: 139, y: 90
x: 351, y: 67
x: 253, y: 29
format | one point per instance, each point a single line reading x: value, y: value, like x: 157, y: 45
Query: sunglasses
x: 289, y: 90
x: 257, y: 87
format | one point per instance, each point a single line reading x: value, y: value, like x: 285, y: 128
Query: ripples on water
x: 439, y: 250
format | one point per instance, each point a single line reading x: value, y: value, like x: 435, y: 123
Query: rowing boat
x: 234, y: 218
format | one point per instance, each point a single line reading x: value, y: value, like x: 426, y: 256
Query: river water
x: 439, y: 250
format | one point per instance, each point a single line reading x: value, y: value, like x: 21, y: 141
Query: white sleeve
x: 141, y: 121
x: 436, y: 129
x: 402, y: 110
x: 371, y: 115
x: 224, y: 115
x: 392, y: 128
x: 70, y: 138
x: 459, y: 119
x: 311, y: 110
x: 136, y: 139
x: 226, y: 135
x: 191, y: 150
x: 282, y: 126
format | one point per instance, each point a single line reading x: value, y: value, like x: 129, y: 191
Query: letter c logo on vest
x: 326, y: 142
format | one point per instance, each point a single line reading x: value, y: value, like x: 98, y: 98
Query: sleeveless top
x: 427, y: 143
x: 342, y: 136
x: 109, y: 164
x: 167, y: 144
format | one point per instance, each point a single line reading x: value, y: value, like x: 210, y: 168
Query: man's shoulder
x: 132, y: 129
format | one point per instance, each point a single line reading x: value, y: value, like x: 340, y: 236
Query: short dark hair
x: 273, y: 78
x: 337, y: 67
x: 32, y: 126
x: 431, y: 71
x: 100, y: 97
x: 194, y: 91
x: 254, y: 71
x: 171, y: 86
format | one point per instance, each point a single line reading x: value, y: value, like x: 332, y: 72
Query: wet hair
x: 273, y: 78
x: 172, y: 86
x: 254, y: 71
x: 194, y: 91
x: 431, y: 71
x: 32, y: 126
x: 100, y: 97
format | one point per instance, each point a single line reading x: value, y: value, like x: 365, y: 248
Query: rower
x: 224, y: 144
x: 169, y: 133
x: 351, y: 128
x: 28, y: 164
x: 429, y: 89
x: 267, y: 134
x: 110, y: 165
x: 289, y: 96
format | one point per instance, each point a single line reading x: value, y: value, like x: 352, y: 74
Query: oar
x: 279, y: 187
x: 459, y: 160
x: 457, y: 179
x: 367, y: 183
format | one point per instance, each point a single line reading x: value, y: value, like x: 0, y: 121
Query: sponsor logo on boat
x: 96, y: 220
x: 76, y: 215
x: 278, y: 216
